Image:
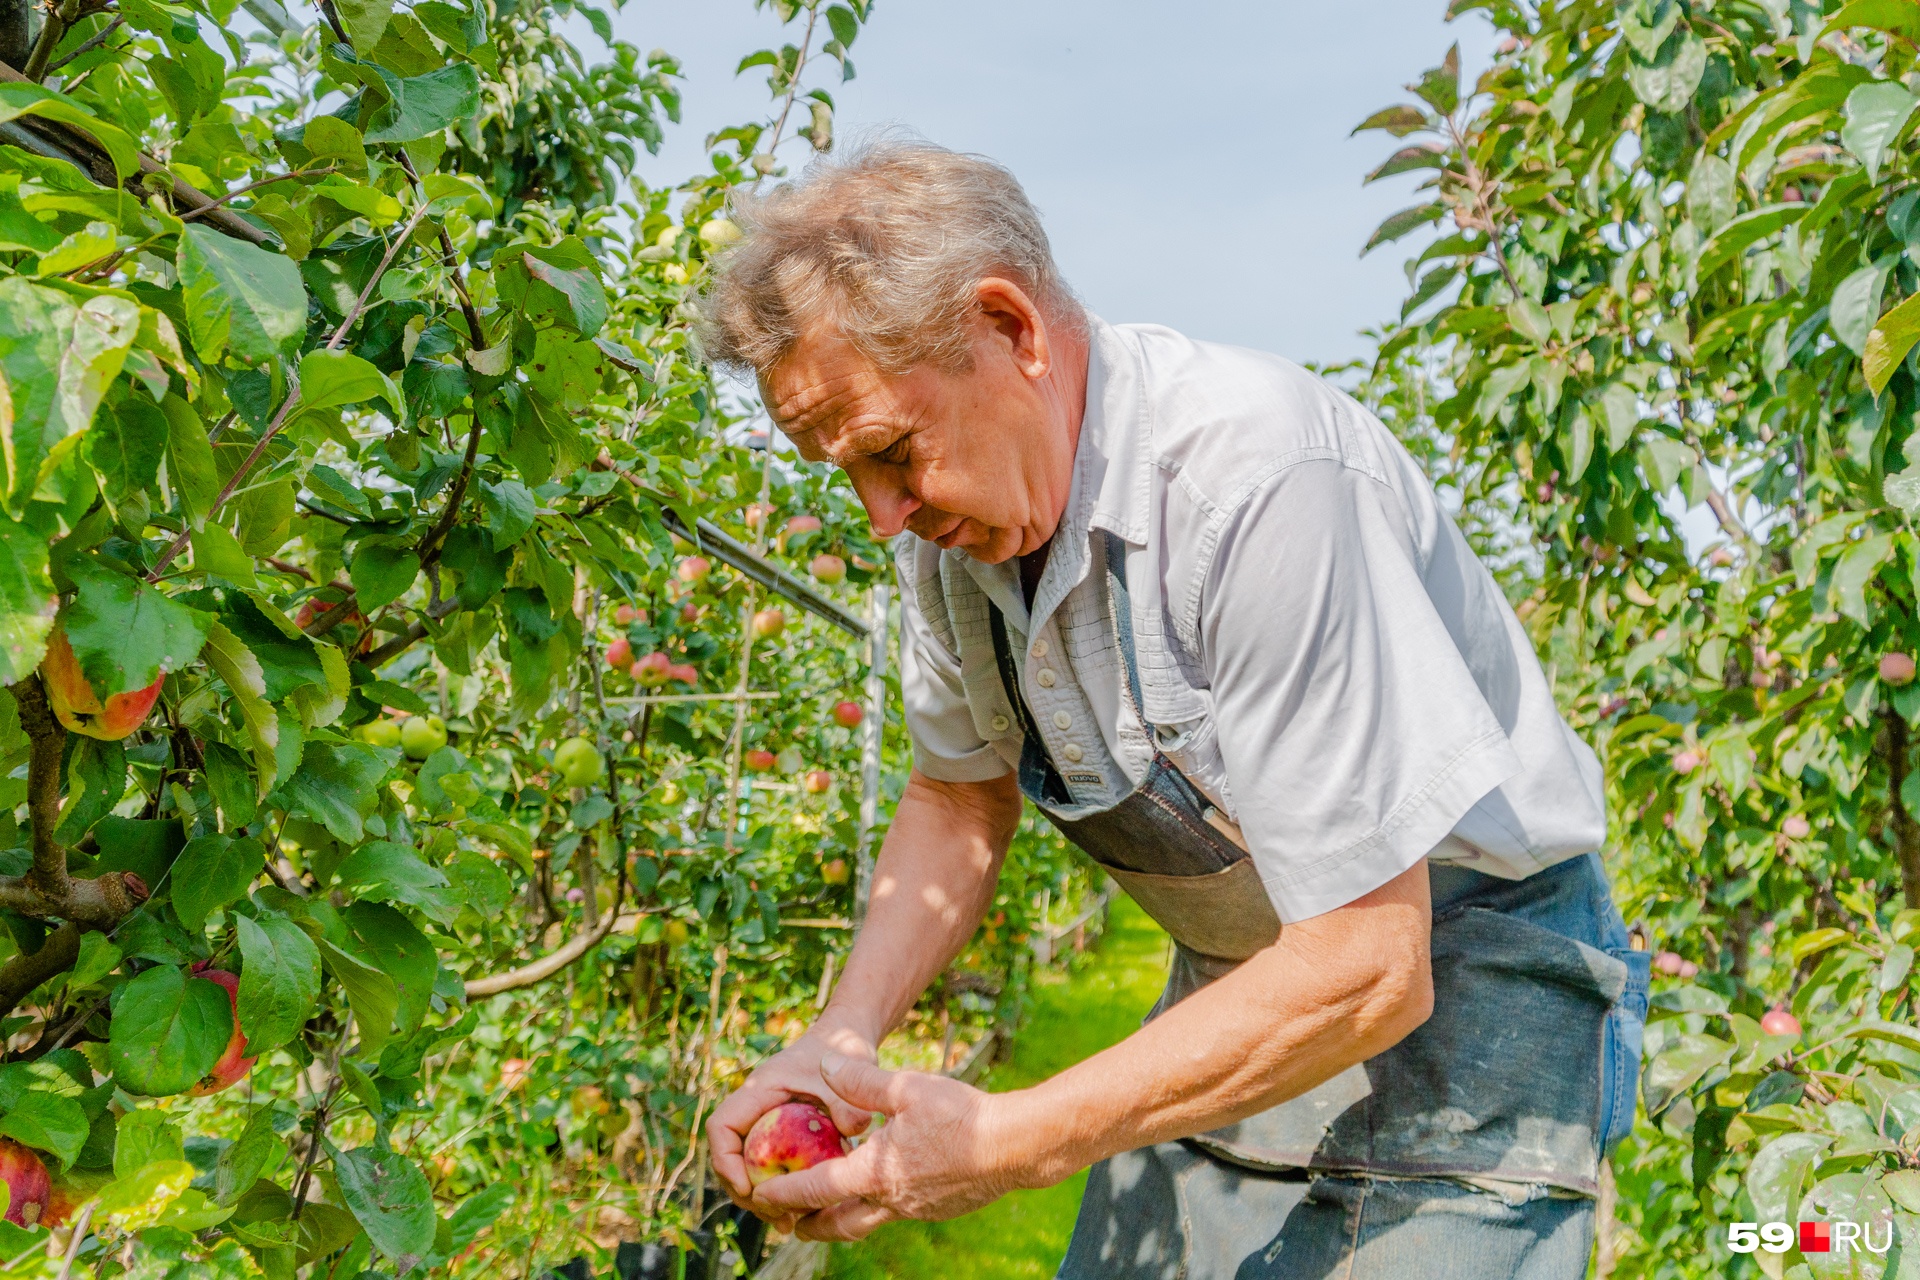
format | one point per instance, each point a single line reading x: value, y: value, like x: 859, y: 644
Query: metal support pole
x: 873, y: 731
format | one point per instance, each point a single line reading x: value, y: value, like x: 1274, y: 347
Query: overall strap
x: 1039, y: 780
x: 1122, y: 606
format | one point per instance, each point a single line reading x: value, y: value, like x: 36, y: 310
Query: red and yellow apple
x: 653, y: 669
x: 835, y: 871
x: 352, y: 618
x: 620, y: 654
x: 768, y: 623
x: 1897, y: 668
x: 827, y: 568
x: 79, y: 707
x: 817, y: 783
x: 28, y: 1186
x: 791, y: 1137
x: 626, y: 615
x: 758, y: 760
x: 848, y: 714
x: 693, y: 569
x: 1778, y: 1022
x: 684, y: 672
x: 234, y: 1064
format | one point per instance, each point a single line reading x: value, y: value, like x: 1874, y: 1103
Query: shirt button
x: 1046, y: 678
x: 1061, y: 720
x: 1072, y: 752
x: 1000, y: 724
x: 1039, y: 649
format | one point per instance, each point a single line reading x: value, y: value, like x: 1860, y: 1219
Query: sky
x: 1192, y: 161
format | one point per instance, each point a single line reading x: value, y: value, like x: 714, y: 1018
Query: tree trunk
x: 16, y: 32
x: 1906, y: 832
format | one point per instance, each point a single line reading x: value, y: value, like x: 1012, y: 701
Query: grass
x: 1073, y: 1016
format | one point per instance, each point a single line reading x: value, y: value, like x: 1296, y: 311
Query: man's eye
x: 897, y: 453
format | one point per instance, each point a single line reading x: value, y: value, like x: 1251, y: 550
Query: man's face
x: 981, y: 460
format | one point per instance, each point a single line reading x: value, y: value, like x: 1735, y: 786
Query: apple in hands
x: 791, y: 1137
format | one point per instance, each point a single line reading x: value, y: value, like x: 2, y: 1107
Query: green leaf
x: 423, y: 105
x: 1398, y: 121
x: 332, y: 486
x: 1665, y: 460
x: 390, y: 1198
x: 146, y: 1136
x: 239, y: 297
x: 20, y: 99
x: 381, y: 573
x: 365, y: 21
x: 231, y: 782
x: 1876, y: 113
x: 332, y: 379
x: 337, y: 782
x: 1777, y: 1176
x: 247, y: 1157
x: 1808, y: 944
x: 167, y: 1031
x: 397, y: 947
x: 382, y: 871
x: 481, y: 1210
x: 279, y: 981
x: 27, y: 602
x: 1400, y: 224
x: 57, y: 361
x: 1439, y: 87
x: 1668, y: 82
x: 570, y: 297
x: 98, y: 958
x: 1854, y: 570
x: 1744, y: 231
x: 47, y: 1122
x: 1677, y: 1069
x: 218, y: 552
x: 96, y: 779
x: 211, y: 873
x: 1890, y: 341
x: 1856, y: 304
x: 480, y: 884
x: 126, y: 449
x: 239, y: 668
x: 510, y: 510
x: 468, y: 551
x: 370, y: 992
x: 145, y: 846
x: 190, y: 466
x: 125, y: 632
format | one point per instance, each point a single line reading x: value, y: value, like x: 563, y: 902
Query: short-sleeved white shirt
x: 1320, y: 652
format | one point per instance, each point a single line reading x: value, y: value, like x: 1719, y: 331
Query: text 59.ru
x: 1814, y: 1237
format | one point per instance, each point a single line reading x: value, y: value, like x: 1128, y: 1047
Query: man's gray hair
x: 889, y: 241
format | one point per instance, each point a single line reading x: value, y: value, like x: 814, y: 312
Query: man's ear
x: 1012, y: 319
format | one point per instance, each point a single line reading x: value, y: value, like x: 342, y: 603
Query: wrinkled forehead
x: 819, y: 383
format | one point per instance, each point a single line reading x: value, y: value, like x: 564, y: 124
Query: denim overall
x: 1470, y: 1149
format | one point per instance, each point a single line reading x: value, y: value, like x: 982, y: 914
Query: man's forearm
x: 932, y: 885
x: 1331, y: 992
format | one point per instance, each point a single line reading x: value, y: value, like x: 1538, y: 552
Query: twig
x: 386, y: 260
x: 91, y: 43
x: 80, y: 1225
x: 237, y: 192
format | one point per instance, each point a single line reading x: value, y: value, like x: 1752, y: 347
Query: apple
x: 690, y: 612
x: 1896, y: 668
x: 676, y: 933
x: 791, y: 1137
x: 834, y: 872
x: 768, y: 623
x: 718, y: 233
x: 848, y: 714
x: 1685, y: 762
x: 626, y: 615
x: 758, y: 760
x: 817, y: 783
x: 791, y: 761
x: 234, y: 1064
x: 1669, y: 962
x: 1796, y: 827
x: 684, y: 672
x: 693, y: 569
x: 675, y: 272
x: 353, y: 618
x: 1778, y: 1022
x: 578, y: 762
x: 71, y: 1190
x: 513, y: 1073
x: 827, y: 568
x: 28, y: 1186
x: 653, y: 669
x: 381, y: 732
x: 421, y: 736
x: 802, y: 524
x: 755, y: 513
x: 78, y: 706
x: 620, y: 654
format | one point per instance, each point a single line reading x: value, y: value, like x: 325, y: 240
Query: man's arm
x: 1333, y: 991
x: 932, y: 885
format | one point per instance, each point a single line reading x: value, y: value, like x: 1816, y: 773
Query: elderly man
x: 1207, y: 615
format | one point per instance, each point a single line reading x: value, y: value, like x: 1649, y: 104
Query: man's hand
x: 939, y: 1155
x: 794, y: 1072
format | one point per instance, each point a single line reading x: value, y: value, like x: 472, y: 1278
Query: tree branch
x: 25, y: 972
x: 557, y: 959
x: 46, y: 739
x: 1906, y: 832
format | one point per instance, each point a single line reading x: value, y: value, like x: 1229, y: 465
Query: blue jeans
x: 1247, y: 1206
x: 1263, y: 1227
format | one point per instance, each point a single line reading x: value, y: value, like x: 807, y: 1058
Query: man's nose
x: 888, y: 505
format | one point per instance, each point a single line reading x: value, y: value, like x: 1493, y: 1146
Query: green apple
x: 578, y: 762
x: 379, y: 733
x: 421, y: 736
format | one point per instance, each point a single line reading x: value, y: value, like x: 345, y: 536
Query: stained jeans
x: 1180, y: 1212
